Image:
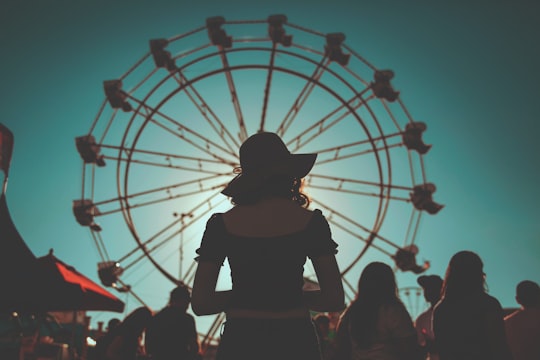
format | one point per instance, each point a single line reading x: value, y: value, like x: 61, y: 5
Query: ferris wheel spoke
x: 147, y: 273
x: 158, y: 249
x: 154, y: 250
x: 329, y: 120
x: 345, y: 222
x: 222, y: 41
x: 267, y: 86
x: 234, y: 98
x: 168, y: 196
x: 166, y: 160
x: 199, y: 211
x: 196, y: 213
x: 242, y: 135
x: 302, y: 96
x: 412, y: 228
x: 208, y: 114
x: 356, y: 149
x: 171, y: 197
x: 355, y: 186
x: 164, y: 235
x: 159, y: 246
x: 166, y: 189
x: 100, y: 245
x: 183, y: 132
x: 168, y: 164
x: 199, y: 162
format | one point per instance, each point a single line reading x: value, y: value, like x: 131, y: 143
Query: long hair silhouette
x: 376, y: 287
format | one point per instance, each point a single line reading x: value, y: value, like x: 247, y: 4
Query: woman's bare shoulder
x: 272, y: 217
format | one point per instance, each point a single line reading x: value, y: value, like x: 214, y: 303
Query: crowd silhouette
x: 462, y: 322
x: 267, y: 237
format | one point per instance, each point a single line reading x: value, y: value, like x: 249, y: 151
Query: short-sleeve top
x: 266, y: 272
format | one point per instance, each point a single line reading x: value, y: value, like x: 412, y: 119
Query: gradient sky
x: 470, y: 71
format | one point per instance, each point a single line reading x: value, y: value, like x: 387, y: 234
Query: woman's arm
x: 205, y: 300
x: 330, y: 297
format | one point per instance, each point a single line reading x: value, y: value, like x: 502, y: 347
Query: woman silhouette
x: 376, y: 325
x: 467, y: 322
x: 266, y: 238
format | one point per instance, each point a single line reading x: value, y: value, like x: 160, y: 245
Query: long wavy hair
x: 376, y: 287
x: 464, y: 276
x: 275, y: 186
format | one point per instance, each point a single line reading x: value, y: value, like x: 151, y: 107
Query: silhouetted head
x: 464, y: 275
x: 377, y: 281
x: 135, y: 323
x: 432, y: 285
x: 113, y: 324
x: 528, y: 294
x: 180, y: 296
x: 267, y: 168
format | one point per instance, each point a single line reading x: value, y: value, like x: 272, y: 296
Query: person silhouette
x: 467, y: 322
x: 125, y: 341
x: 523, y: 325
x: 103, y: 342
x: 267, y: 237
x: 113, y: 324
x: 431, y: 284
x: 172, y: 334
x: 376, y: 325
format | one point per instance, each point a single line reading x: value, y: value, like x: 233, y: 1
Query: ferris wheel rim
x: 124, y: 198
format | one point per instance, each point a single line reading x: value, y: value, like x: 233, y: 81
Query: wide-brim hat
x: 262, y: 156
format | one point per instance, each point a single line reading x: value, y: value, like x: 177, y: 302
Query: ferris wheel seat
x: 115, y: 95
x: 405, y: 260
x: 333, y: 48
x: 382, y: 87
x: 276, y: 30
x: 217, y: 35
x: 162, y: 58
x: 84, y: 211
x: 109, y: 272
x: 89, y: 150
x: 412, y: 137
x: 422, y: 198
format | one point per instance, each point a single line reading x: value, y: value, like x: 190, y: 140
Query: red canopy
x: 45, y: 284
x: 67, y: 289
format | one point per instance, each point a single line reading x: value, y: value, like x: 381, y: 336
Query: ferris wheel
x: 165, y: 141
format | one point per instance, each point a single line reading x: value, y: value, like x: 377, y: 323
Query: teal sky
x: 470, y: 71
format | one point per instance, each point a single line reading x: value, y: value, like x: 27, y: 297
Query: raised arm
x: 330, y: 297
x: 205, y: 300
